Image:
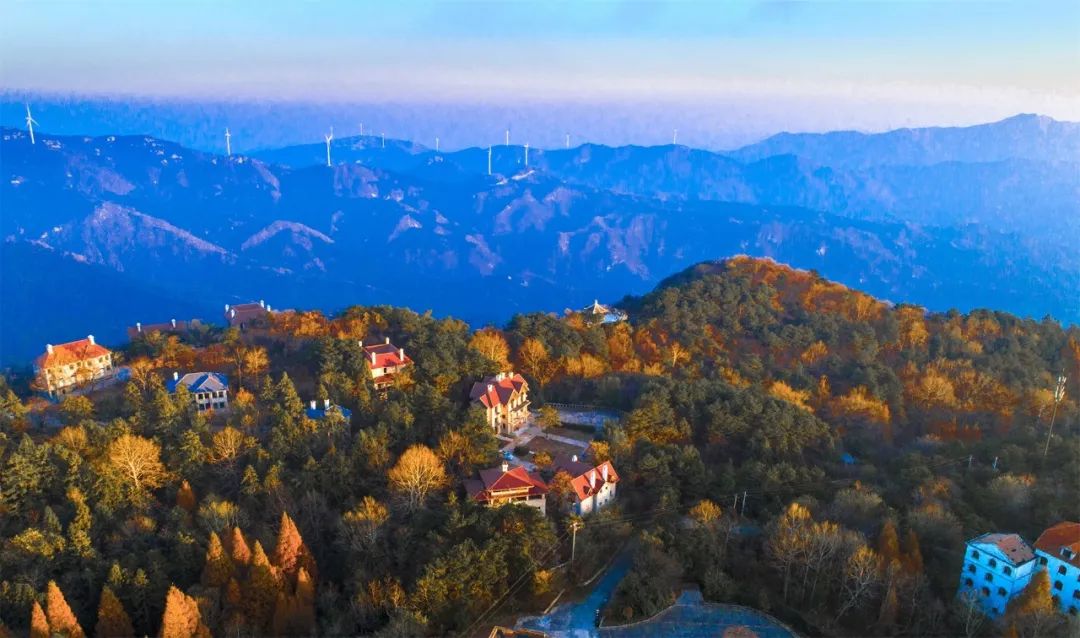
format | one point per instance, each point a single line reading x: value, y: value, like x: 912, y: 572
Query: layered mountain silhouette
x: 151, y: 230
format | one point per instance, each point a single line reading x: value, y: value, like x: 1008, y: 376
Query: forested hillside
x: 863, y: 443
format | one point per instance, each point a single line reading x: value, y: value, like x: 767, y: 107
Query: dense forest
x: 784, y: 443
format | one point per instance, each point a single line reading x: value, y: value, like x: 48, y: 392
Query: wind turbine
x: 526, y: 155
x: 489, y: 160
x: 361, y: 129
x: 329, y: 137
x: 436, y: 143
x: 384, y: 139
x: 228, y: 146
x: 30, y: 122
x: 567, y: 141
x: 508, y: 137
x: 675, y: 136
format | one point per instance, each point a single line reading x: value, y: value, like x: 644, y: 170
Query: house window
x: 975, y: 554
x: 971, y: 568
x: 1061, y: 569
x: 1001, y: 591
x: 985, y: 591
x: 1057, y: 585
x: 1072, y: 611
x: 993, y: 563
x: 989, y: 577
x: 1076, y: 594
x: 1008, y: 570
x: 1042, y: 560
x: 968, y: 582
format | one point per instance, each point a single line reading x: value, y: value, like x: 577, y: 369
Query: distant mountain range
x: 148, y: 230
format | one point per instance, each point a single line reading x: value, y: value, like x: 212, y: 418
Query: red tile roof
x: 134, y: 332
x: 387, y: 355
x: 244, y: 312
x: 1012, y: 546
x: 73, y: 352
x: 1063, y: 535
x: 586, y: 479
x: 496, y: 480
x: 498, y: 390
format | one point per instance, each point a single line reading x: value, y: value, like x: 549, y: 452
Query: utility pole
x: 970, y: 457
x: 743, y: 510
x: 575, y: 525
x: 735, y: 505
x: 995, y: 462
x: 1059, y: 394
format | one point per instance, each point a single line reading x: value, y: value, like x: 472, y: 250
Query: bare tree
x: 968, y: 610
x: 418, y: 472
x: 138, y: 460
x: 861, y: 577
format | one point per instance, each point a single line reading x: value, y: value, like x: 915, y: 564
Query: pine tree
x: 113, y: 621
x: 185, y: 497
x: 218, y: 568
x: 238, y: 548
x: 61, y: 619
x: 79, y: 528
x: 261, y: 591
x: 290, y: 552
x: 39, y: 625
x: 181, y: 618
x: 305, y: 603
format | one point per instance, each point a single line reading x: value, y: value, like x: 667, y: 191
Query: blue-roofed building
x: 209, y: 390
x: 315, y: 411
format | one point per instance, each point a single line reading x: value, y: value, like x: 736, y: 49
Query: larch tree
x: 261, y: 591
x: 39, y: 624
x: 113, y: 621
x: 290, y: 552
x: 218, y: 568
x: 417, y: 473
x: 238, y: 548
x: 888, y: 543
x: 185, y: 497
x: 61, y: 619
x: 181, y: 618
x: 1033, y: 613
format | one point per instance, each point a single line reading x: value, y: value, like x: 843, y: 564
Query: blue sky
x: 823, y: 64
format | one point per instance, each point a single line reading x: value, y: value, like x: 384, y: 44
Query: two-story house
x: 1058, y: 551
x: 385, y: 360
x: 505, y: 399
x: 243, y: 315
x: 67, y: 366
x: 209, y: 390
x: 171, y: 327
x: 996, y: 568
x: 594, y: 485
x: 500, y: 486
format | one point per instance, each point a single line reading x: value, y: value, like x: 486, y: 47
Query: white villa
x: 1058, y: 550
x: 996, y: 568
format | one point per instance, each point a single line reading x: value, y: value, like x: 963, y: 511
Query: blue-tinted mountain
x: 181, y: 231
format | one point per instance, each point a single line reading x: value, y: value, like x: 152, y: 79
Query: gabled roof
x: 135, y: 331
x: 321, y: 412
x: 387, y: 355
x: 1064, y: 535
x: 586, y: 479
x: 496, y: 480
x: 242, y: 312
x: 72, y: 352
x: 1011, y: 546
x: 200, y: 382
x: 498, y: 390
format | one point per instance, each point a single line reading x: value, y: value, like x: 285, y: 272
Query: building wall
x: 992, y: 579
x: 597, y: 501
x: 60, y: 379
x: 218, y: 400
x: 1064, y: 581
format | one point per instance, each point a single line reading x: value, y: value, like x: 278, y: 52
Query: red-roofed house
x: 1058, y: 549
x: 64, y: 367
x: 996, y: 568
x: 172, y: 327
x: 244, y: 314
x: 505, y: 399
x: 500, y: 486
x: 385, y: 360
x: 594, y: 486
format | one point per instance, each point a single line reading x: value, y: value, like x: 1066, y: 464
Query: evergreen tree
x: 238, y: 548
x: 185, y: 497
x: 79, y: 528
x: 888, y: 543
x: 912, y: 559
x: 261, y: 591
x: 113, y: 621
x: 290, y: 552
x: 61, y: 619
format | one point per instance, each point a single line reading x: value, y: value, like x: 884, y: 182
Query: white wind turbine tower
x: 361, y: 129
x: 567, y: 141
x: 30, y: 122
x: 329, y: 137
x: 384, y: 139
x: 675, y: 136
x: 526, y: 155
x: 436, y: 143
x: 489, y: 160
x: 508, y: 137
x: 228, y: 145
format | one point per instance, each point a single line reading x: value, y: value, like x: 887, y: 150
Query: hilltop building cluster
x: 999, y: 566
x: 594, y: 486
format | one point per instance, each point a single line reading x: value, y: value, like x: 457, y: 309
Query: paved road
x: 578, y: 620
x: 690, y: 617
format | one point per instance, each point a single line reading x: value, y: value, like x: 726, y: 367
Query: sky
x: 783, y: 65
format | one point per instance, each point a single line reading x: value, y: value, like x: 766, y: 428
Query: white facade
x: 603, y: 497
x: 991, y: 575
x: 1064, y: 579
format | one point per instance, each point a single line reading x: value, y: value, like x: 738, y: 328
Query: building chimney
x: 592, y: 477
x: 505, y: 467
x: 401, y: 354
x: 603, y: 471
x: 48, y: 348
x: 90, y: 338
x: 326, y: 404
x: 500, y: 376
x: 574, y: 458
x: 388, y: 341
x: 174, y: 323
x: 262, y: 303
x: 138, y: 326
x: 313, y: 404
x: 491, y: 387
x: 226, y: 307
x: 175, y: 376
x: 268, y: 308
x: 372, y: 358
x: 232, y: 313
x: 360, y: 343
